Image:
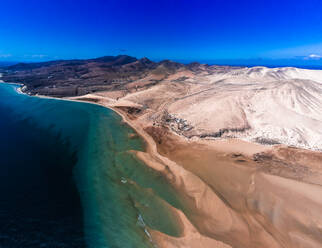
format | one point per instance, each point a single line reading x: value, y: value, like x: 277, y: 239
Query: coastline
x: 156, y: 161
x: 152, y: 158
x: 225, y: 201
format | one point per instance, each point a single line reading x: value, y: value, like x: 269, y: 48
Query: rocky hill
x: 79, y: 77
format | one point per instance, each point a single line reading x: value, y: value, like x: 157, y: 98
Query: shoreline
x: 123, y: 117
x: 224, y: 191
x: 145, y: 137
x: 156, y: 161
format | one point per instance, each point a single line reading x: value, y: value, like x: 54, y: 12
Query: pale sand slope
x: 279, y: 105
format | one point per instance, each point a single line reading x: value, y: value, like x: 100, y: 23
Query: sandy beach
x: 236, y: 193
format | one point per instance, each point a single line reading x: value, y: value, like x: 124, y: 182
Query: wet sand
x: 248, y: 197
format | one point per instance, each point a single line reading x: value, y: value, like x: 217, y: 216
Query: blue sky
x: 218, y: 30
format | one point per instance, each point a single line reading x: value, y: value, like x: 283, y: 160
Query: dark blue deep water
x: 68, y: 178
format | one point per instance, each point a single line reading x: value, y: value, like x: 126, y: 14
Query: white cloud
x: 35, y: 56
x: 313, y: 56
x: 305, y: 51
x: 39, y: 56
x: 5, y: 56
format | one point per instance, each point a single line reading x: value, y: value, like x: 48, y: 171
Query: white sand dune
x: 282, y: 105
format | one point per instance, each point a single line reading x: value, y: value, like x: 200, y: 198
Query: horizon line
x: 300, y: 61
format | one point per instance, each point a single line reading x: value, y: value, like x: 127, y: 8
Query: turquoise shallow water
x: 68, y: 166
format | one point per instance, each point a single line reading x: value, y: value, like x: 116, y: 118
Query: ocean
x: 68, y: 178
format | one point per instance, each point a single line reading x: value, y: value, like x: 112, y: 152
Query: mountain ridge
x: 61, y: 78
